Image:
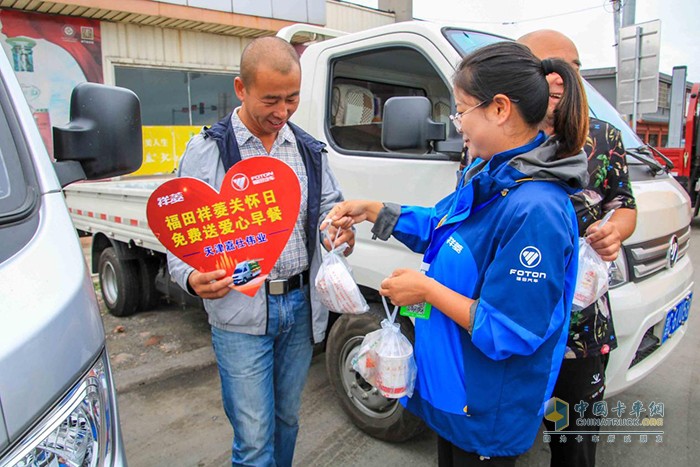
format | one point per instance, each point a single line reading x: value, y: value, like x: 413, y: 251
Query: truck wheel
x: 382, y: 418
x: 148, y: 269
x: 119, y: 282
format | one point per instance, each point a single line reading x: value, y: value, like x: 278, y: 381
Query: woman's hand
x: 348, y: 213
x: 406, y: 287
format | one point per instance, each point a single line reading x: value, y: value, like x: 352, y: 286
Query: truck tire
x: 379, y: 417
x: 119, y: 283
x: 148, y: 269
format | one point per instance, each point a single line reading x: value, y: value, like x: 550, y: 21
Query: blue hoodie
x: 508, y: 238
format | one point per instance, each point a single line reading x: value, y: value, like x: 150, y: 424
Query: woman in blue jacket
x: 500, y: 258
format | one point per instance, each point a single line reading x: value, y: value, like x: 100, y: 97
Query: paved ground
x: 177, y: 419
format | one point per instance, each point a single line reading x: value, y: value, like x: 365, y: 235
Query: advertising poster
x: 163, y: 146
x: 241, y: 229
x: 51, y: 54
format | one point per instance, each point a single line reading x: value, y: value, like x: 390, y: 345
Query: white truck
x: 410, y: 157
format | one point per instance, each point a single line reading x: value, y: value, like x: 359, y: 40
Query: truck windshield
x: 466, y: 41
x: 601, y: 109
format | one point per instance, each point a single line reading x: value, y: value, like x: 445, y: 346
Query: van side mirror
x: 103, y: 138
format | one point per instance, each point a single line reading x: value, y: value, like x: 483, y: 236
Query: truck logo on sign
x: 240, y: 182
x: 672, y: 255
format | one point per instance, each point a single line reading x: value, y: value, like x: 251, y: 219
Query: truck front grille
x: 648, y: 345
x: 647, y: 258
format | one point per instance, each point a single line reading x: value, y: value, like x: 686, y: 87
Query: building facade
x: 178, y: 56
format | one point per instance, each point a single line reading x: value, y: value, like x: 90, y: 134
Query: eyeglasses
x: 457, y: 118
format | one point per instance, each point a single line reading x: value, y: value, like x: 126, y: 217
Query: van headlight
x: 77, y: 432
x: 617, y: 273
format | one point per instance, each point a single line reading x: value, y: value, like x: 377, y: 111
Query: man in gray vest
x: 263, y: 344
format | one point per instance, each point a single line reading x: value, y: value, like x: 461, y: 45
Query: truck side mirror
x: 407, y: 125
x: 103, y: 138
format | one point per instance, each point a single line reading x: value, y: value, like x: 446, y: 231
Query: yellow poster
x: 163, y: 147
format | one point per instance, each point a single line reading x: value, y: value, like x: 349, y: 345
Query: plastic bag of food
x: 335, y: 285
x: 385, y: 359
x: 592, y: 277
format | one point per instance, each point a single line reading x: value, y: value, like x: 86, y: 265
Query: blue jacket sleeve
x: 416, y: 224
x: 528, y: 287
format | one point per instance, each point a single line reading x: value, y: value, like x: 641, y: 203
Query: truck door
x: 358, y: 78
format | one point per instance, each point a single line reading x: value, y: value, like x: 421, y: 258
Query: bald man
x: 263, y: 344
x: 591, y: 334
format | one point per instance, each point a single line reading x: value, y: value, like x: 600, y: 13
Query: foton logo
x: 263, y: 178
x: 240, y: 182
x: 530, y: 257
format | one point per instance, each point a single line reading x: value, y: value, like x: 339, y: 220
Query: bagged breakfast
x: 335, y: 284
x: 385, y: 359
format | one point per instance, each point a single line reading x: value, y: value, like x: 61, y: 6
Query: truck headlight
x: 617, y: 274
x: 78, y: 431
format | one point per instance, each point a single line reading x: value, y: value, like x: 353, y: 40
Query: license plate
x: 676, y: 317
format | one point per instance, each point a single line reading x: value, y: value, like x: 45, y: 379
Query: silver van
x: 58, y: 404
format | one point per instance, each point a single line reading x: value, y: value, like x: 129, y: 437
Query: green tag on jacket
x: 419, y: 310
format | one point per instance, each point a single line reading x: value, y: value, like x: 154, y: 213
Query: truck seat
x: 352, y: 115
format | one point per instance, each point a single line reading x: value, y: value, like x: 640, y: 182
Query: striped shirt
x: 294, y: 258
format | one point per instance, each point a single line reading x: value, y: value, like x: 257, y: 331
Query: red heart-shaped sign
x: 242, y: 229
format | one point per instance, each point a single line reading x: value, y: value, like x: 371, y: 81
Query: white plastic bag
x: 592, y: 277
x: 335, y: 285
x: 385, y: 359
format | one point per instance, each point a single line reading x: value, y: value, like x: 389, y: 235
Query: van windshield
x: 4, y: 179
x: 14, y: 200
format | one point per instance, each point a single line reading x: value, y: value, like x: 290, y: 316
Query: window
x: 361, y: 85
x: 14, y: 192
x: 178, y: 97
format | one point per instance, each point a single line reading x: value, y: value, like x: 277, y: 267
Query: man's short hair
x: 272, y: 52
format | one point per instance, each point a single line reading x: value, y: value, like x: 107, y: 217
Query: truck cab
x: 245, y: 272
x: 346, y: 84
x: 58, y: 404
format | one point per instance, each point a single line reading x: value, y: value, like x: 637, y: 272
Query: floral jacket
x: 591, y: 331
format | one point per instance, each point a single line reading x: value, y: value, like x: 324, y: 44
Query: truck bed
x: 116, y: 208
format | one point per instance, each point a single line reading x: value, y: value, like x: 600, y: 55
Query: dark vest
x: 310, y: 150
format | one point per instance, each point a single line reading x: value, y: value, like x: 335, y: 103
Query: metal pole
x: 629, y: 13
x: 189, y: 97
x: 616, y: 22
x: 637, y: 59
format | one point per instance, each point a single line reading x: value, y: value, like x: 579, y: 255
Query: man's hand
x: 210, y: 285
x: 345, y: 236
x: 606, y: 240
x: 405, y: 287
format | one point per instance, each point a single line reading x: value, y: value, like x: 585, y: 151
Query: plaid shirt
x: 294, y: 258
